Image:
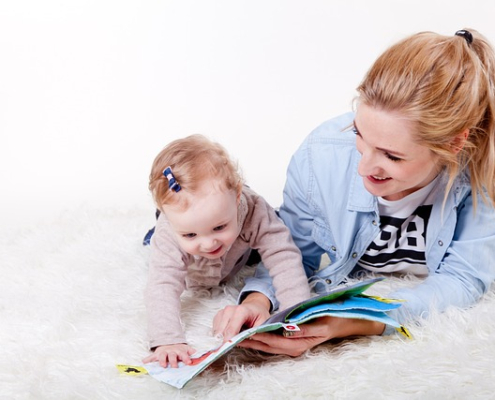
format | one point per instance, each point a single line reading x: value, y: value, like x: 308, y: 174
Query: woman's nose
x: 368, y: 164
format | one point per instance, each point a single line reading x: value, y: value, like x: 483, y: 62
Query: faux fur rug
x: 71, y: 308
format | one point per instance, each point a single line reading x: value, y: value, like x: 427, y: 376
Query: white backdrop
x: 91, y: 90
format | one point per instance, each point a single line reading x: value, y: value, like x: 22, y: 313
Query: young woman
x: 406, y: 184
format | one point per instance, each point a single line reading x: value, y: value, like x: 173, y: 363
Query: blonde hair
x: 193, y: 160
x: 445, y: 86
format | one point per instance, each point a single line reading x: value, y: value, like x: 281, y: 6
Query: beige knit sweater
x: 172, y: 270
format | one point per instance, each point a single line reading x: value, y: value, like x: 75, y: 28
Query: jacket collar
x: 359, y: 198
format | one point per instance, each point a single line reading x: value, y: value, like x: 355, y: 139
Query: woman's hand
x: 253, y: 311
x: 295, y: 343
x: 171, y: 354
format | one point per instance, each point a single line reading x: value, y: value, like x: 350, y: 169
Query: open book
x: 344, y: 302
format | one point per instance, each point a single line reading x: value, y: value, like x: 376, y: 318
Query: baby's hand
x: 171, y: 354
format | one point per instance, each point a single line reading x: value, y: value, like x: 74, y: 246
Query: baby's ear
x: 459, y: 141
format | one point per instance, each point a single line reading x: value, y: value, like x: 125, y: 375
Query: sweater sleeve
x: 279, y: 254
x: 166, y: 282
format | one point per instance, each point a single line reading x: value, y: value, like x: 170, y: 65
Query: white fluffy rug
x: 72, y: 308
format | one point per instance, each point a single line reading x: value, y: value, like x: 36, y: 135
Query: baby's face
x: 208, y: 227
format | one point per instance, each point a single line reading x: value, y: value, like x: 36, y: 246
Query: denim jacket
x: 328, y: 210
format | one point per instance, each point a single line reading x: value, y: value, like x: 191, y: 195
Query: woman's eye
x: 388, y: 155
x: 392, y: 158
x: 358, y: 135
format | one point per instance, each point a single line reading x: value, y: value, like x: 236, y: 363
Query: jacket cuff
x: 259, y: 286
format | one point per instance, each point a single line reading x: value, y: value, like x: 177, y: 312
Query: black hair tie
x: 466, y: 35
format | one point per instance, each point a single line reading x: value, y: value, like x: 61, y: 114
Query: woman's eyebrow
x: 392, y: 152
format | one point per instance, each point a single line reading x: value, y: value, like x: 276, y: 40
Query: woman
x: 405, y: 184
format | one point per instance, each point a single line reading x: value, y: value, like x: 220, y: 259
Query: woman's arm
x: 464, y: 270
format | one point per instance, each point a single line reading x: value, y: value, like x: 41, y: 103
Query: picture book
x: 344, y: 302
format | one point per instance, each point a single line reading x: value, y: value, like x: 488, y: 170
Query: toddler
x: 209, y: 223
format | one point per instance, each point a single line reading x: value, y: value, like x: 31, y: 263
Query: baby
x: 208, y: 225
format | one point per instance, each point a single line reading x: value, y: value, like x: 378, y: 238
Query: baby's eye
x: 189, y: 235
x: 220, y: 228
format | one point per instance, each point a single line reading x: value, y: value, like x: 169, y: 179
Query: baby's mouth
x: 216, y: 251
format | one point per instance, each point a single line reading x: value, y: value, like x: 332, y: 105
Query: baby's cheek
x: 231, y: 237
x: 188, y: 247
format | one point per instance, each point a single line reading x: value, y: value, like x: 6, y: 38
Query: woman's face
x: 392, y: 164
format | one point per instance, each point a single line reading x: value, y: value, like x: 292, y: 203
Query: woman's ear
x: 459, y: 141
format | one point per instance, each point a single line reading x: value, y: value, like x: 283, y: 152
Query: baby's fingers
x: 173, y: 359
x: 185, y: 355
x: 170, y: 355
x: 152, y: 357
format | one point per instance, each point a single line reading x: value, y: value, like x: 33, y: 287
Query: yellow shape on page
x: 131, y: 369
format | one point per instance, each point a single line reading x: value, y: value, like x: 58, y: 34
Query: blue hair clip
x: 172, y: 182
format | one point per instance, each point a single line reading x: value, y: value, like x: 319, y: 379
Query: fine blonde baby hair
x: 445, y: 85
x: 193, y: 160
